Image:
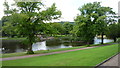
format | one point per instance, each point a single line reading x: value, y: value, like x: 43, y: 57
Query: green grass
x: 88, y: 57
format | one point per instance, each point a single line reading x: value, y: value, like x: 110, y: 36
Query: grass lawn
x: 88, y: 57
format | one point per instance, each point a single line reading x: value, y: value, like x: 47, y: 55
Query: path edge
x: 98, y: 65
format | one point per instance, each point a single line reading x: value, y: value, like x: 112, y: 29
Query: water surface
x: 12, y: 46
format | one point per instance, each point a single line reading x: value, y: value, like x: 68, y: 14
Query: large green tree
x: 113, y: 31
x: 8, y: 28
x: 104, y: 18
x: 30, y: 18
x: 58, y: 28
x: 68, y: 27
x: 91, y: 21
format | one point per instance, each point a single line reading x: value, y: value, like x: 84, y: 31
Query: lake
x: 13, y: 46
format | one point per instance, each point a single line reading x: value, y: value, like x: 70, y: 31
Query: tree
x: 105, y: 17
x: 48, y: 29
x: 84, y: 29
x: 58, y: 28
x: 101, y: 27
x: 113, y: 31
x: 30, y: 18
x: 68, y: 27
x: 7, y: 10
x: 8, y: 29
x: 91, y: 21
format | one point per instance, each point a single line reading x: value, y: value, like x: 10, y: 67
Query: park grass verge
x: 87, y: 57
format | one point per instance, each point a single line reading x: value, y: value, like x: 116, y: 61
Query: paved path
x: 20, y: 57
x: 115, y: 61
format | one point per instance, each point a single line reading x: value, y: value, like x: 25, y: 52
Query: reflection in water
x: 42, y: 46
x: 18, y: 49
x: 10, y: 46
x: 39, y: 46
x: 59, y: 46
x: 98, y: 41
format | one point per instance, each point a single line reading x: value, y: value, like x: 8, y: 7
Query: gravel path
x: 27, y: 56
x: 115, y: 61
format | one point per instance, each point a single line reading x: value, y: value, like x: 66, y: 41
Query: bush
x: 30, y: 52
x: 75, y: 38
x: 87, y: 45
x: 118, y: 40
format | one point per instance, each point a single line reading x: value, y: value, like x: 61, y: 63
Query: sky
x: 69, y: 8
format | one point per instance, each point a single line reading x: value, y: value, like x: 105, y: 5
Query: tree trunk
x: 114, y: 39
x: 30, y: 51
x: 102, y: 38
x: 88, y: 44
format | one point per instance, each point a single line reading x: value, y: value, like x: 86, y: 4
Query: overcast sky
x: 69, y: 8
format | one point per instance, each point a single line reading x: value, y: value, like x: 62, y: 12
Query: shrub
x: 118, y: 40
